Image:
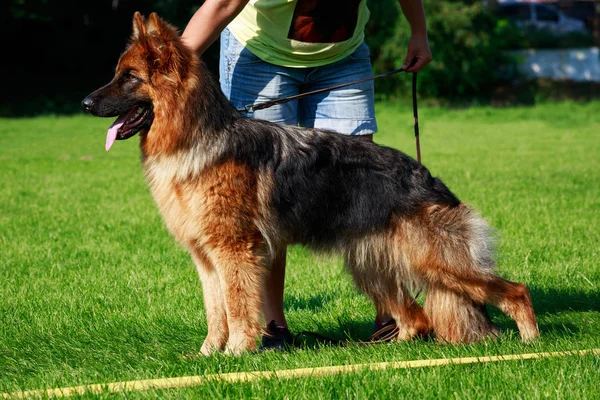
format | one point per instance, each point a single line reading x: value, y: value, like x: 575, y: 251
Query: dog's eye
x: 129, y: 77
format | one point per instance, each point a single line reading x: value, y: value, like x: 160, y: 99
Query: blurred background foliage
x: 57, y: 51
x: 466, y: 46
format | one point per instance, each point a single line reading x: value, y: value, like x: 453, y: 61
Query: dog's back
x: 327, y: 186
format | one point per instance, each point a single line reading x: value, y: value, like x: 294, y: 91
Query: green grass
x: 93, y: 289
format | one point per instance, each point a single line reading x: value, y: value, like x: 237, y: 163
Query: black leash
x: 384, y: 335
x: 251, y: 108
x: 416, y: 115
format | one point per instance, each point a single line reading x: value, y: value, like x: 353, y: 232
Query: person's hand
x: 418, y: 48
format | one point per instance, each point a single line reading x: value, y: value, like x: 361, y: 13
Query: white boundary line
x: 189, y: 381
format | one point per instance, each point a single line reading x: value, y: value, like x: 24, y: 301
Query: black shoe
x: 384, y: 332
x: 276, y: 338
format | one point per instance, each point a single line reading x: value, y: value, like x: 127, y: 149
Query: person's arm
x: 208, y: 22
x: 418, y: 44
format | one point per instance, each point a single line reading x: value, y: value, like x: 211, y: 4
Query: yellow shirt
x: 301, y: 33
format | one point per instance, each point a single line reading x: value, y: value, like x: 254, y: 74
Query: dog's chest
x: 180, y: 198
x: 211, y: 203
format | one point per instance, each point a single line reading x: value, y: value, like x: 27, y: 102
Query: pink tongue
x: 111, y: 136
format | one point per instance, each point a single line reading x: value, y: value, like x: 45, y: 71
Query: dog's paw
x: 241, y: 345
x: 205, y: 351
x: 236, y: 351
x: 529, y: 335
x: 233, y: 351
x: 210, y: 347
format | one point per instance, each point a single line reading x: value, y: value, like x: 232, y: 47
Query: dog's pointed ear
x: 163, y: 43
x: 155, y: 26
x: 139, y: 25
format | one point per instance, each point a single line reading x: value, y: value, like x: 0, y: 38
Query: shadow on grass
x: 311, y: 303
x: 559, y: 329
x: 357, y: 334
x: 546, y: 302
x: 552, y: 301
x: 343, y: 331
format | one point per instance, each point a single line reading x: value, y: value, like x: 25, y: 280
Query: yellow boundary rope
x: 189, y: 381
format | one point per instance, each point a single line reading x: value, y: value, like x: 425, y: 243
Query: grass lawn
x: 93, y: 289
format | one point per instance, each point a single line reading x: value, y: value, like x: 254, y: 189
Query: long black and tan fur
x: 234, y: 191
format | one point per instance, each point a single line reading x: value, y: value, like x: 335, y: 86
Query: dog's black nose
x: 87, y: 103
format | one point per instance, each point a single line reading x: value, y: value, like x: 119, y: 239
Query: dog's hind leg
x: 510, y: 297
x: 394, y: 299
x: 409, y: 315
x: 454, y: 252
x: 456, y: 318
x: 214, y: 303
x: 383, y: 285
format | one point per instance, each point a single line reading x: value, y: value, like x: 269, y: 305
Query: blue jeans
x: 246, y: 79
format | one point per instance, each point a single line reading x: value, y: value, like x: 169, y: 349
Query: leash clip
x: 248, y: 108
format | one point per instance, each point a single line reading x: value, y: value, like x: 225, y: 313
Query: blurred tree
x: 466, y: 46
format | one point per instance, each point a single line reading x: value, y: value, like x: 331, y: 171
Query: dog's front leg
x: 214, y: 303
x: 242, y: 278
x: 228, y: 210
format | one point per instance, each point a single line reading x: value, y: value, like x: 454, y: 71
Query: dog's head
x: 154, y: 62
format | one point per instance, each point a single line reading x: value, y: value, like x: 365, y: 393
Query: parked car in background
x: 540, y: 16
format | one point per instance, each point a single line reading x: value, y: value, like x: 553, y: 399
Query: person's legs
x: 273, y: 297
x: 349, y: 110
x: 277, y: 336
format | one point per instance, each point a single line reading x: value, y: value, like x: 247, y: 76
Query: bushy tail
x: 451, y: 248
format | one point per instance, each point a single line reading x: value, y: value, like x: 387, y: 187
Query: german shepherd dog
x: 233, y: 191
